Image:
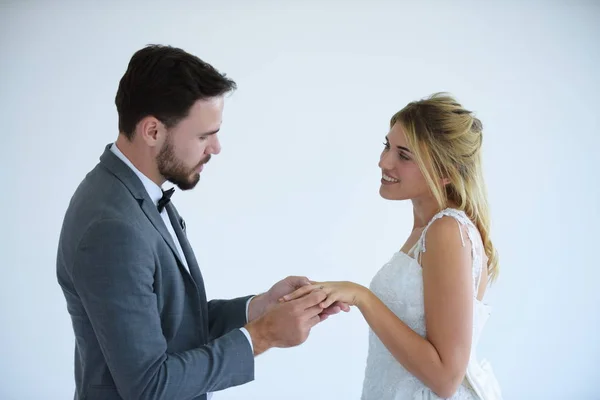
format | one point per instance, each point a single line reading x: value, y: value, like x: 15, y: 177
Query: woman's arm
x: 440, y: 359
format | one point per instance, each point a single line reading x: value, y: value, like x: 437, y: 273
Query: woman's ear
x: 445, y: 181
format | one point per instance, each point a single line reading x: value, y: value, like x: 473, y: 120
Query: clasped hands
x: 339, y: 295
x: 285, y: 314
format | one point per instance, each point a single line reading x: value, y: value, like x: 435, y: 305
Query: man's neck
x: 142, y: 161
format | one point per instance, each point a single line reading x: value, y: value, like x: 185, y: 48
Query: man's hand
x: 262, y: 303
x: 286, y: 286
x: 334, y: 309
x: 348, y: 293
x: 291, y: 284
x: 286, y: 324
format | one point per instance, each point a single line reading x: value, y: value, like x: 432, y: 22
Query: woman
x: 424, y: 307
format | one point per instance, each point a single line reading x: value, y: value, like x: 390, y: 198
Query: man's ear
x: 149, y: 129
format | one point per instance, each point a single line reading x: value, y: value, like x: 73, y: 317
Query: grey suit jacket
x: 143, y: 326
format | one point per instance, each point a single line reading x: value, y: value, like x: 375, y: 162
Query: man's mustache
x: 207, y: 159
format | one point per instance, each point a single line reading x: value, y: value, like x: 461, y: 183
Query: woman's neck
x: 423, y: 211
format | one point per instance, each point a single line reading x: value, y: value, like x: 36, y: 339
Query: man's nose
x: 215, y: 145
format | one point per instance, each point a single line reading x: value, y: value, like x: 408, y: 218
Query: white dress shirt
x: 155, y: 192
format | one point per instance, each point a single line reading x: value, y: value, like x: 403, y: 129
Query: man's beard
x: 174, y: 171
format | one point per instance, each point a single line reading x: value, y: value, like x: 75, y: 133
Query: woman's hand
x: 349, y: 293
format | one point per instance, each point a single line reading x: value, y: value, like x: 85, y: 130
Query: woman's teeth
x: 389, y: 179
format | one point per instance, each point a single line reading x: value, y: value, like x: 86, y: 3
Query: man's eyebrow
x: 210, y: 133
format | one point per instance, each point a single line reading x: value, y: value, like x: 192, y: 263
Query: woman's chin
x: 387, y: 194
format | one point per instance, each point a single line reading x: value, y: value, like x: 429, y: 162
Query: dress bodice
x: 399, y: 285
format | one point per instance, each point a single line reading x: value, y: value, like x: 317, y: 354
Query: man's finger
x: 314, y: 320
x: 312, y: 311
x: 298, y: 281
x: 334, y: 309
x: 331, y: 310
x: 312, y: 299
x: 298, y: 293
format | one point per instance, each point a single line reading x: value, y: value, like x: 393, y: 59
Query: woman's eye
x: 402, y: 156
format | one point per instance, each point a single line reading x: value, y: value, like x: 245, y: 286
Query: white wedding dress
x: 399, y: 284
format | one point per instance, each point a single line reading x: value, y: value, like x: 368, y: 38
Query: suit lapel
x: 178, y: 224
x: 178, y: 227
x: 152, y: 213
x: 125, y: 174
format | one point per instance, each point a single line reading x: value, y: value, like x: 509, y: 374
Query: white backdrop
x: 295, y: 189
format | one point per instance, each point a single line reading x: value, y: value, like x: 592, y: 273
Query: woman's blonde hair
x: 446, y: 142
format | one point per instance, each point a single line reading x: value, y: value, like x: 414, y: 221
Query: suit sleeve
x: 113, y: 275
x: 226, y: 315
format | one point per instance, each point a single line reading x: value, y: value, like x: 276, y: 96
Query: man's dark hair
x: 164, y: 82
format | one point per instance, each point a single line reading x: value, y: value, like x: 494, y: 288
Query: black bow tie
x: 164, y: 200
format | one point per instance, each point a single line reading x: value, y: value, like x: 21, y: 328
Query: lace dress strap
x: 462, y: 220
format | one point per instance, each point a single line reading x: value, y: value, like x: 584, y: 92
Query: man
x: 143, y: 326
